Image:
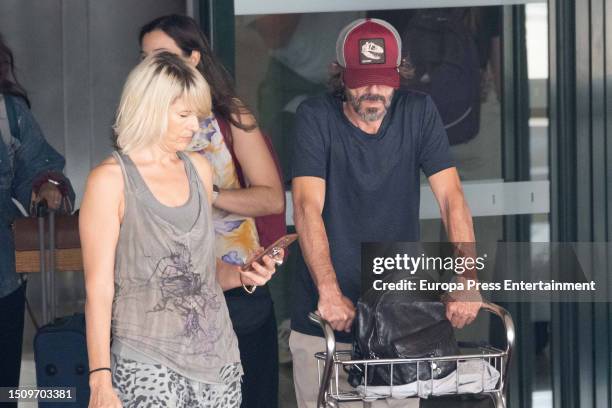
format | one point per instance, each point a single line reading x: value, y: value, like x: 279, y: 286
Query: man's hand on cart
x: 337, y: 309
x: 462, y: 306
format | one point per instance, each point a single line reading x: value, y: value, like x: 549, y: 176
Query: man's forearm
x: 315, y: 249
x: 460, y: 230
x: 253, y: 201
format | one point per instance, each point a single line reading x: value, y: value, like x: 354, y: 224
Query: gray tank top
x: 168, y: 305
x: 182, y: 216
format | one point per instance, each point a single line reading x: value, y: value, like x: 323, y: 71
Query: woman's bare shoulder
x: 199, y: 161
x: 202, y: 165
x: 108, y: 172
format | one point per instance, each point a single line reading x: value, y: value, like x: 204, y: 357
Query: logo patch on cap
x: 372, y: 51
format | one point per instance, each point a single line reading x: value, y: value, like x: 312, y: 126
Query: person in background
x: 30, y: 171
x: 234, y: 207
x: 151, y: 276
x: 298, y: 68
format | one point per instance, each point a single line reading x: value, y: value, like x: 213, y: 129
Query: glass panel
x: 477, y: 150
x: 536, y: 24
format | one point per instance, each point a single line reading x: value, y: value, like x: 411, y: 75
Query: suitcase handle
x: 47, y: 262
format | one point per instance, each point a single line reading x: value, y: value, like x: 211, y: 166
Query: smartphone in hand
x: 273, y: 250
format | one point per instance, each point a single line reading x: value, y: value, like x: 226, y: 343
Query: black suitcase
x: 60, y: 348
x: 60, y: 353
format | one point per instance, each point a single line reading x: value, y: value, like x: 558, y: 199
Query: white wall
x: 72, y: 56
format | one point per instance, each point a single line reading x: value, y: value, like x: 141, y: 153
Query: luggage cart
x: 331, y: 362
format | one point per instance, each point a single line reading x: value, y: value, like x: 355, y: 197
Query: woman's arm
x: 36, y: 160
x: 99, y: 223
x: 231, y: 276
x: 264, y: 194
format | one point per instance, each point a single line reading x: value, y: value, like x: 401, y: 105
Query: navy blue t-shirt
x: 372, y: 183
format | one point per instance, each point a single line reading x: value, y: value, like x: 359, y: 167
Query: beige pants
x: 305, y: 377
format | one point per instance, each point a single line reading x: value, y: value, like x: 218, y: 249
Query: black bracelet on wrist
x: 101, y: 369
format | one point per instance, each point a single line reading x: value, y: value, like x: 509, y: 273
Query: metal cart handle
x: 506, y: 319
x: 330, y: 349
x: 330, y: 352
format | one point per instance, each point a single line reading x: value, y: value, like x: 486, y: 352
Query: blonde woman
x: 240, y: 148
x: 148, y: 251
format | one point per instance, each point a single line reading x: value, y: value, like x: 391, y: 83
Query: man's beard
x: 369, y: 114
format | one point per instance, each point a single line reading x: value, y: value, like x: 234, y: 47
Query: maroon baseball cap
x: 370, y: 51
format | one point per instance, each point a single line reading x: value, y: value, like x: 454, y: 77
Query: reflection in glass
x: 536, y: 24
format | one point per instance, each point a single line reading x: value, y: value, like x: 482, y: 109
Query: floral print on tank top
x: 236, y: 235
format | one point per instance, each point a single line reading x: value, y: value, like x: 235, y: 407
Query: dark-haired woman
x: 234, y: 207
x: 30, y: 171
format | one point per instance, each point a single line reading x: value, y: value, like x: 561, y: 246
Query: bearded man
x: 357, y: 159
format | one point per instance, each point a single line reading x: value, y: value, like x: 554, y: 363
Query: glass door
x: 282, y: 54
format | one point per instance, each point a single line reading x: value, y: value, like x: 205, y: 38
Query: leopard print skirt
x: 141, y: 385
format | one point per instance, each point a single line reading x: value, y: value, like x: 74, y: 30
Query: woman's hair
x: 188, y: 37
x: 335, y: 84
x: 152, y: 86
x: 8, y: 81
